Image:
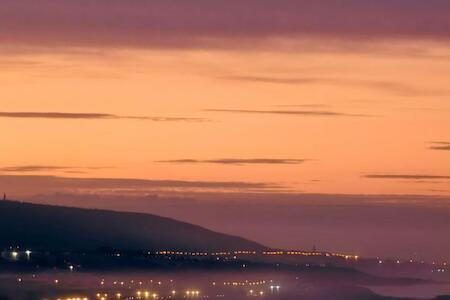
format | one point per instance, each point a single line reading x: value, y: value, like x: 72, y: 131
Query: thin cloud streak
x: 304, y: 105
x: 406, y: 176
x: 41, y: 183
x: 440, y: 146
x: 394, y: 87
x: 92, y: 116
x: 319, y: 113
x: 40, y: 168
x: 238, y: 161
x: 35, y: 168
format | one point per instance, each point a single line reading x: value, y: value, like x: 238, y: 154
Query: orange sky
x: 393, y: 97
x: 288, y: 122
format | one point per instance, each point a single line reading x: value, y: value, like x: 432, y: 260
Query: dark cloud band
x: 199, y: 23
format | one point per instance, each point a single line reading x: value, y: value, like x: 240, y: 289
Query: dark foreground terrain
x: 43, y: 227
x: 50, y: 252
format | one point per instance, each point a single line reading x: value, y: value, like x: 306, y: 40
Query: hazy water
x: 212, y: 285
x: 413, y: 291
x: 54, y: 285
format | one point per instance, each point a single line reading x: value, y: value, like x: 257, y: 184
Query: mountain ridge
x: 52, y: 227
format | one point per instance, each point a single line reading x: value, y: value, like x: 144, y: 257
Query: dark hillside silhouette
x: 48, y: 227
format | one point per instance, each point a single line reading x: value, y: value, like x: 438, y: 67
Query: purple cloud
x: 202, y: 23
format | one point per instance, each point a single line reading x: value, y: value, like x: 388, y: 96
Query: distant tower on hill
x: 4, y: 196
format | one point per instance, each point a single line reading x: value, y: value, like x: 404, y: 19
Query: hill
x: 46, y: 227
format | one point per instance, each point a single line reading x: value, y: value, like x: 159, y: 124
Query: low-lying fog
x: 197, y: 285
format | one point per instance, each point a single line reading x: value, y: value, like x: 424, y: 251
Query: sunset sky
x: 234, y: 103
